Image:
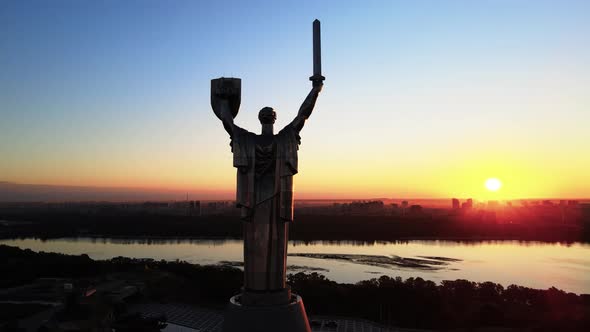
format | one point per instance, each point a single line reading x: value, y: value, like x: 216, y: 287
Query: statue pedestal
x: 289, y: 317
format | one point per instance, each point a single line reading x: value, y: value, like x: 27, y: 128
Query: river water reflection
x: 532, y: 264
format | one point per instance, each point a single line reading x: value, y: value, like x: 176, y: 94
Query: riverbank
x: 304, y: 228
x: 531, y: 264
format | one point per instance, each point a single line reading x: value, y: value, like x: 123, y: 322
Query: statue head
x: 267, y: 116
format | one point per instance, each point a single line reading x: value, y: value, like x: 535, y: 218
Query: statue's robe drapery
x: 244, y: 155
x: 265, y: 169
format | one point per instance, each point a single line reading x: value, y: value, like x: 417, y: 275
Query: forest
x: 411, y: 303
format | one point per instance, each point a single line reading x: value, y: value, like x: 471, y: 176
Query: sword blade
x: 317, y: 49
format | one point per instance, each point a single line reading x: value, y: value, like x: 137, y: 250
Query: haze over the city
x: 423, y: 99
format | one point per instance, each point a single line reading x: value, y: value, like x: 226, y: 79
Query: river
x: 532, y: 264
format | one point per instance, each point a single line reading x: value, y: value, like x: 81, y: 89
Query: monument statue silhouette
x: 266, y: 164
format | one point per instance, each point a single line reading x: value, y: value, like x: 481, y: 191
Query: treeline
x: 305, y: 227
x: 411, y: 303
x: 209, y: 285
x: 459, y: 304
x: 19, y: 267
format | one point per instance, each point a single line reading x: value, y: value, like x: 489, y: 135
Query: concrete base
x: 290, y: 317
x: 251, y: 298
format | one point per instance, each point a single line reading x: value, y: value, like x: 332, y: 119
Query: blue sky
x: 116, y: 93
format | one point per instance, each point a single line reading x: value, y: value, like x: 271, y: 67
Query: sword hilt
x: 317, y: 79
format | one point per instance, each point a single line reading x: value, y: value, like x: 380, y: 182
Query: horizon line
x: 223, y: 193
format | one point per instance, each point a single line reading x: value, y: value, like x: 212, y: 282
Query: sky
x: 422, y: 99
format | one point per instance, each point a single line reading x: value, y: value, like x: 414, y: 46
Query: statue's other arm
x: 307, y: 106
x: 227, y: 118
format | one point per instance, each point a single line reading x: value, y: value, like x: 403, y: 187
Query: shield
x: 226, y: 88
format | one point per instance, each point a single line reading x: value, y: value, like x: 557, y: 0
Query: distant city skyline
x: 422, y: 99
x: 14, y: 192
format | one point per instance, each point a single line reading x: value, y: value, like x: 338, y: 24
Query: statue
x: 265, y: 166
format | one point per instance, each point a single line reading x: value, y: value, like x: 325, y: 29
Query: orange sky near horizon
x: 319, y: 179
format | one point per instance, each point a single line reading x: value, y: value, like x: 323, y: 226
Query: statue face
x: 267, y: 116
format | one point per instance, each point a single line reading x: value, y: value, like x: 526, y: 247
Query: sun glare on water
x: 493, y: 184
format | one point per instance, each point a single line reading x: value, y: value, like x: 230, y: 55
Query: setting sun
x: 493, y: 184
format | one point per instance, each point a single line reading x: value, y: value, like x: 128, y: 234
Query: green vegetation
x: 418, y: 303
x: 413, y: 302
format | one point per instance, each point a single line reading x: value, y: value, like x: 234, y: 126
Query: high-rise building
x: 414, y: 209
x: 467, y: 204
x: 195, y: 208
